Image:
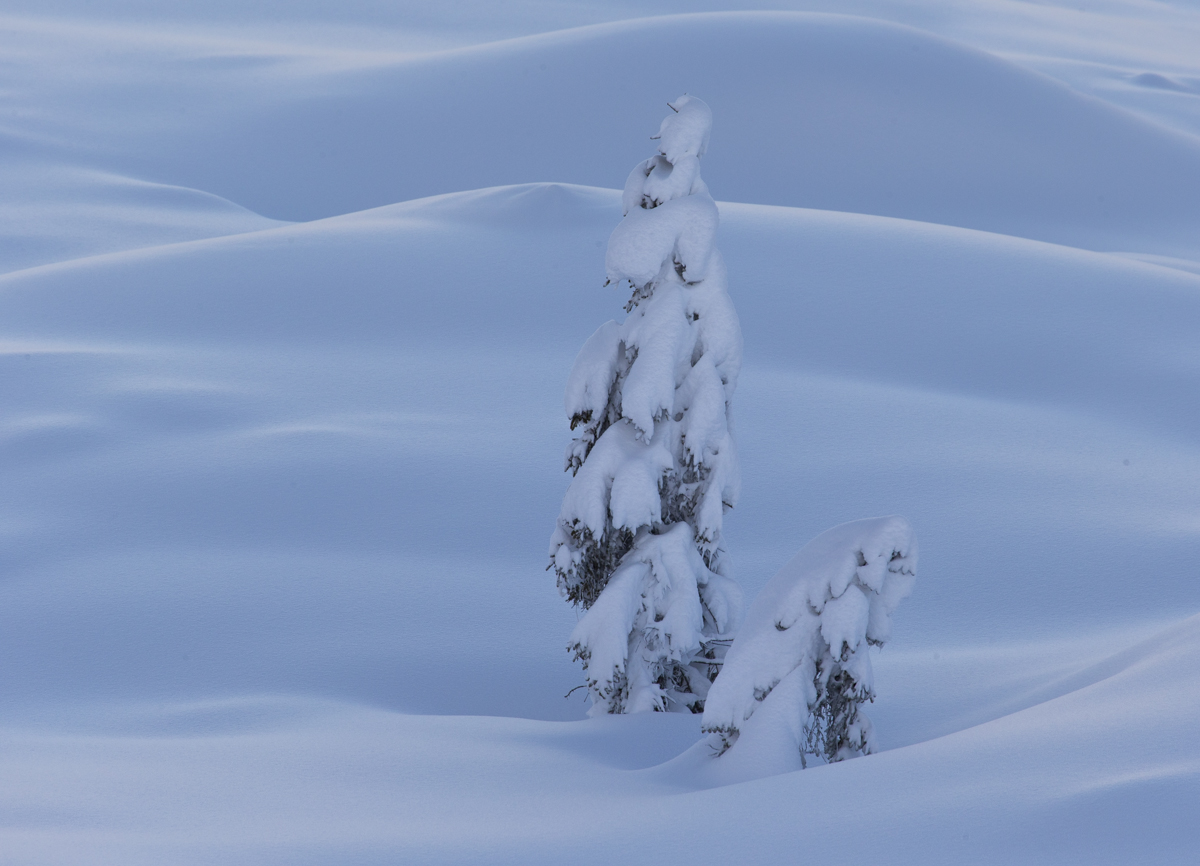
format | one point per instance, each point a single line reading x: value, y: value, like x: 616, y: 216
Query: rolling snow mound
x: 277, y: 495
x: 841, y: 113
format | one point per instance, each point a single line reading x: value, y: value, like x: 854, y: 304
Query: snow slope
x: 277, y: 496
x: 242, y: 463
x: 1071, y: 780
x: 53, y: 212
x: 842, y: 113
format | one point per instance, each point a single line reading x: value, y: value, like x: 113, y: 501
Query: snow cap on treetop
x: 686, y: 131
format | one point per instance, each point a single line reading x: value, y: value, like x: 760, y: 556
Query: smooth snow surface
x: 843, y: 113
x: 276, y: 495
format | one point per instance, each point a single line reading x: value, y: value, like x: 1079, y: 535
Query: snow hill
x: 843, y: 113
x: 277, y: 494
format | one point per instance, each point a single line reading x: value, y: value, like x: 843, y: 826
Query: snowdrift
x: 53, y: 212
x: 223, y: 425
x: 841, y: 113
x: 272, y: 580
x: 1085, y: 776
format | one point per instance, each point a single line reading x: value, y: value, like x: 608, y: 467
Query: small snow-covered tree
x: 638, y: 541
x: 794, y: 682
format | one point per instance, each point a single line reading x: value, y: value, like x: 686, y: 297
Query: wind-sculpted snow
x: 52, y: 212
x: 234, y: 479
x: 844, y: 113
x: 273, y: 524
x: 1073, y: 778
x: 143, y: 390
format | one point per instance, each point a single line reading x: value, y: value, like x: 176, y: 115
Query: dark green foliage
x: 835, y: 730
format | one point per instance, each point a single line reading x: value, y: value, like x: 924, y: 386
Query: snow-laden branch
x: 795, y: 678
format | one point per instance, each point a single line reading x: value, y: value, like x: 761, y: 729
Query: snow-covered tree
x: 794, y: 682
x: 638, y: 541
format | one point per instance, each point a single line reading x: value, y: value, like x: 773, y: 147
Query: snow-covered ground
x: 286, y: 312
